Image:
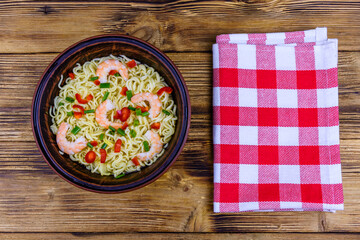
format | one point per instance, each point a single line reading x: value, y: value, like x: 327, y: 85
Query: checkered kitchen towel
x: 276, y: 122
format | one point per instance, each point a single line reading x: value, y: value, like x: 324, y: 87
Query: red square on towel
x: 306, y: 79
x: 269, y: 192
x: 268, y: 117
x: 308, y: 117
x: 228, y: 77
x: 229, y: 192
x: 311, y: 193
x: 266, y: 78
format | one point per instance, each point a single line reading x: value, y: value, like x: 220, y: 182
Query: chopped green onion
x: 94, y: 78
x: 61, y: 103
x: 146, y: 146
x: 166, y: 112
x: 101, y: 137
x: 120, y: 175
x: 145, y: 114
x: 75, y: 130
x: 105, y: 96
x: 105, y: 85
x: 89, y: 145
x: 89, y: 111
x: 70, y: 113
x: 69, y: 99
x: 131, y: 108
x: 121, y: 132
x: 104, y: 146
x: 111, y: 132
x: 133, y: 133
x: 136, y: 122
x: 138, y: 111
x: 117, y: 74
x: 129, y: 95
x: 112, y: 129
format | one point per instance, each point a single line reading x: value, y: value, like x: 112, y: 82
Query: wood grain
x: 34, y: 199
x: 51, y: 26
x: 176, y: 236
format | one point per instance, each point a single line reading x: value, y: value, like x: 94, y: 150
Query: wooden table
x: 37, y: 204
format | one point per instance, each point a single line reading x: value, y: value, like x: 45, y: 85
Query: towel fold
x: 276, y: 122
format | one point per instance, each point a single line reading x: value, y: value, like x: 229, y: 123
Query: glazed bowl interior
x: 47, y: 90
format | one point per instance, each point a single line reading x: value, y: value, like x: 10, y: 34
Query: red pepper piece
x: 79, y: 107
x: 124, y: 114
x: 72, y: 75
x: 123, y: 91
x: 124, y: 126
x: 117, y: 147
x: 131, y: 64
x: 165, y: 89
x: 78, y: 115
x: 97, y: 82
x: 89, y: 97
x: 117, y: 114
x: 90, y: 157
x: 143, y: 109
x: 103, y: 155
x: 94, y: 143
x: 83, y: 101
x: 155, y: 125
x: 135, y: 160
x: 112, y: 72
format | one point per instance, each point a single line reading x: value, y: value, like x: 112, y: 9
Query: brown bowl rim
x: 186, y: 121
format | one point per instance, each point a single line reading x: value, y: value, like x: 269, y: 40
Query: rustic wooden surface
x: 36, y: 204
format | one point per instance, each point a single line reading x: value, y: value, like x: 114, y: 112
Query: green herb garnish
x: 75, y: 130
x: 105, y: 96
x: 166, y: 112
x: 105, y: 85
x: 101, y: 137
x: 69, y: 99
x: 132, y: 133
x: 131, y: 108
x: 138, y: 111
x: 89, y: 111
x: 121, y: 132
x: 120, y: 175
x: 146, y: 146
x: 129, y: 95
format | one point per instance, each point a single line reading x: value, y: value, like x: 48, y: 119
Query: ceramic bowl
x: 47, y: 89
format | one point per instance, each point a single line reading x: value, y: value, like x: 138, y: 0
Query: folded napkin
x: 276, y: 122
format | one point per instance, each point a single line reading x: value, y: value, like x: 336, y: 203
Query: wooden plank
x: 51, y: 26
x: 34, y: 199
x: 177, y: 236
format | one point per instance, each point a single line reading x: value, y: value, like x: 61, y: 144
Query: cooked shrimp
x: 65, y: 145
x: 155, y: 148
x: 111, y: 64
x: 101, y: 115
x: 153, y: 99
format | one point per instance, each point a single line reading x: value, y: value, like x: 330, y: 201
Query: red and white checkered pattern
x: 276, y: 122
